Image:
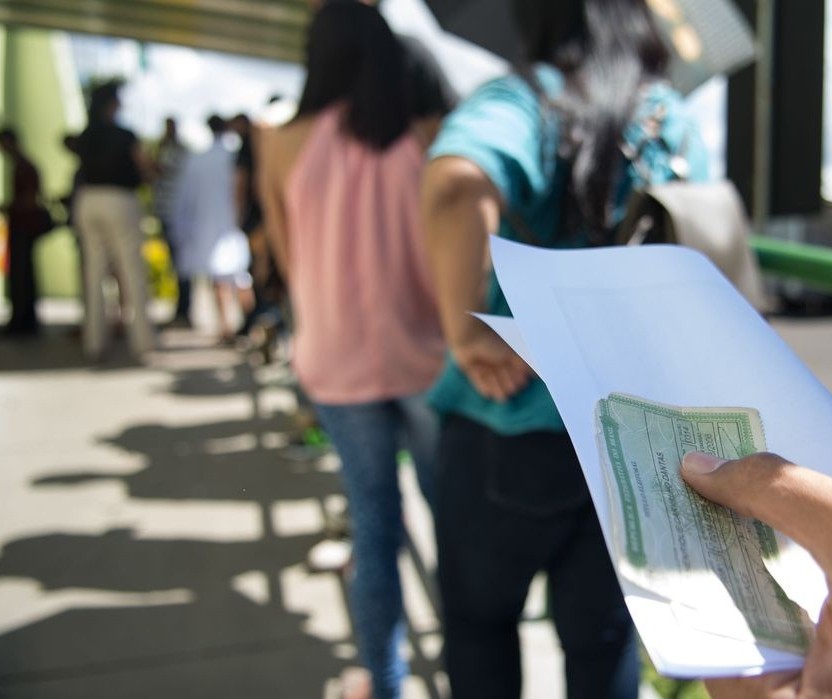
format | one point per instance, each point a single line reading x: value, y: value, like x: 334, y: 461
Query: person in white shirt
x: 205, y: 231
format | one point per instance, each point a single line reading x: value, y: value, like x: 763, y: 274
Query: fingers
x: 511, y: 376
x: 492, y: 366
x: 497, y: 381
x: 816, y: 680
x: 485, y: 381
x: 795, y: 500
x: 777, y: 685
x: 733, y: 483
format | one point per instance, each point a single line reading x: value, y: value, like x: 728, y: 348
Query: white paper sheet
x: 662, y: 323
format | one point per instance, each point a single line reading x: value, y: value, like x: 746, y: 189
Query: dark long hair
x: 606, y: 50
x: 353, y: 57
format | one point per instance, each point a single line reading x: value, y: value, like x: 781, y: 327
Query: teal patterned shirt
x: 503, y: 130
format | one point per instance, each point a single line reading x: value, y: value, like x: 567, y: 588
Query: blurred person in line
x: 108, y: 217
x: 267, y: 286
x: 245, y: 196
x: 70, y: 143
x: 339, y: 189
x: 25, y: 223
x: 534, y: 156
x: 69, y: 200
x: 430, y: 97
x: 205, y: 233
x: 798, y: 502
x: 168, y: 159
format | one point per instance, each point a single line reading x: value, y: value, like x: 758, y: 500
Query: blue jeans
x: 508, y: 507
x: 368, y: 437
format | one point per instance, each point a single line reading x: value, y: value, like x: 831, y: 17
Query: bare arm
x: 461, y: 208
x: 270, y: 192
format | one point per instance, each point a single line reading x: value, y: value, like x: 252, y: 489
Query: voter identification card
x: 707, y: 561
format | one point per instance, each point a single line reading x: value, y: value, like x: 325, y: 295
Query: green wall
x: 41, y: 99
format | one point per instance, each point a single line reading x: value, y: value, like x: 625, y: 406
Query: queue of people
x: 206, y: 207
x: 377, y: 200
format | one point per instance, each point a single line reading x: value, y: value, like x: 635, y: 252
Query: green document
x: 708, y: 562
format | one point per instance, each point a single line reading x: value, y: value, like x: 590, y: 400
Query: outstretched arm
x: 461, y: 208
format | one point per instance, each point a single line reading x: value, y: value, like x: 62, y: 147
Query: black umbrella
x: 706, y: 37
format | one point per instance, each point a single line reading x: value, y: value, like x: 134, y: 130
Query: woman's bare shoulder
x: 283, y: 135
x: 280, y: 145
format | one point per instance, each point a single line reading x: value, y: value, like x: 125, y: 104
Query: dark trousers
x: 22, y: 291
x: 509, y: 507
x: 183, y: 299
x: 183, y: 284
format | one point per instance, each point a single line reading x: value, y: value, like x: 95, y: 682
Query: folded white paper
x: 662, y: 323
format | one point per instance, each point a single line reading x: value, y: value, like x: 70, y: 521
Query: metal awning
x: 263, y: 28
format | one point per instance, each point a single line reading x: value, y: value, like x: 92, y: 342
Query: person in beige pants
x: 108, y: 215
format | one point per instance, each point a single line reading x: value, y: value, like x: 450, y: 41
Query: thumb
x: 795, y: 500
x: 743, y: 484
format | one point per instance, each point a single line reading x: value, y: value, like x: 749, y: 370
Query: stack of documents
x: 646, y: 351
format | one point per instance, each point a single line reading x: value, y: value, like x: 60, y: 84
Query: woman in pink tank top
x: 340, y: 193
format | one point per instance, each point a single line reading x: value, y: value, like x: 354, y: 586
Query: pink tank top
x: 366, y: 322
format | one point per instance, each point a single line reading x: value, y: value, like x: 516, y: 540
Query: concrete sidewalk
x: 155, y: 522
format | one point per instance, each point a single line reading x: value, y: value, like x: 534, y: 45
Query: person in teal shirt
x: 536, y: 156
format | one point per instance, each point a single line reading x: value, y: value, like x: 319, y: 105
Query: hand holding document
x: 645, y: 351
x: 707, y: 562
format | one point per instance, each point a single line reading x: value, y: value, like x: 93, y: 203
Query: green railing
x: 810, y: 264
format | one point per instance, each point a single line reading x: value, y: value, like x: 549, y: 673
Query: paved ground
x: 154, y: 525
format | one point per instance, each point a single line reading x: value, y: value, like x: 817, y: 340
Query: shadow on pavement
x: 214, y: 461
x: 192, y: 634
x: 219, y: 643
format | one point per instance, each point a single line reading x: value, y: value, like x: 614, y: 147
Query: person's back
x: 205, y: 232
x: 359, y: 280
x: 203, y: 206
x: 104, y: 149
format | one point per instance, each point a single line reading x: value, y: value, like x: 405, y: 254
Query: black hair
x: 101, y: 98
x: 353, y: 57
x: 217, y: 124
x: 428, y: 90
x: 70, y: 142
x: 606, y: 50
x: 8, y: 134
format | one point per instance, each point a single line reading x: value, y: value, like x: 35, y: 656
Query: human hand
x: 490, y: 364
x: 798, y: 502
